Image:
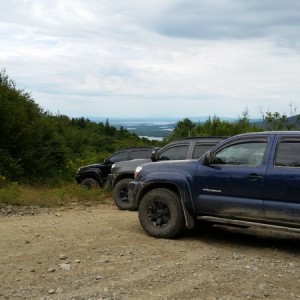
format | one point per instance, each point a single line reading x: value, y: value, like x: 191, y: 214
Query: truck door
x: 282, y: 181
x: 232, y: 185
x: 116, y: 157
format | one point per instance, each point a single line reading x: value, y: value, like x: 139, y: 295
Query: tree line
x: 216, y: 127
x: 38, y: 147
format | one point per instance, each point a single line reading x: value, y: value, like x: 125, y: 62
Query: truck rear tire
x: 161, y: 213
x: 120, y: 195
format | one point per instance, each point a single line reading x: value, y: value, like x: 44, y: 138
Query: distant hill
x: 294, y: 119
x: 153, y: 120
x: 290, y: 120
x: 150, y: 127
x: 163, y: 126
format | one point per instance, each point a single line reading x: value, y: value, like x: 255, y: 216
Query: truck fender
x: 182, y: 186
x: 122, y: 176
x: 93, y: 173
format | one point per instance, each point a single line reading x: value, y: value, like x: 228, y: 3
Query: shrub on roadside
x: 44, y: 196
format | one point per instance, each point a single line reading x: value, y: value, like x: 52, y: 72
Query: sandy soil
x: 100, y: 252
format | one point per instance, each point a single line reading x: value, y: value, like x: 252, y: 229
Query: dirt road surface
x: 100, y: 252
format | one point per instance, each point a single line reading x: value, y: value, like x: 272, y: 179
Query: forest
x: 37, y: 147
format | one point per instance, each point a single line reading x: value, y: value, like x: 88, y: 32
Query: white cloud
x: 130, y: 58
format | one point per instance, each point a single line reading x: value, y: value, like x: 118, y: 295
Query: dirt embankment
x: 101, y: 252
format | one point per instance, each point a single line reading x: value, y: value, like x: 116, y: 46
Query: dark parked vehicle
x: 95, y: 175
x: 123, y: 172
x: 248, y: 180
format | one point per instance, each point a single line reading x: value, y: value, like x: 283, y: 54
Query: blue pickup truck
x: 251, y: 179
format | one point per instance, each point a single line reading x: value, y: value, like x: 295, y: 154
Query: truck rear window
x: 288, y: 154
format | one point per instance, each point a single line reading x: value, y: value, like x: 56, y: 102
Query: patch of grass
x: 21, y: 195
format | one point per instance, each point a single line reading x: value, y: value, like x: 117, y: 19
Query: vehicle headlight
x: 137, y: 171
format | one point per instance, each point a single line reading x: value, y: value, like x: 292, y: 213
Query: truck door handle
x: 254, y: 176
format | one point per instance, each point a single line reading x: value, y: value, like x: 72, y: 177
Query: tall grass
x: 43, y: 196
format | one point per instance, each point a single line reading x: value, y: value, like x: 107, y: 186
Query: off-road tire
x: 120, y: 195
x: 90, y: 183
x: 161, y: 213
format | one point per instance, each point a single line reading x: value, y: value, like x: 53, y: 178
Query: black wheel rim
x: 124, y: 195
x: 87, y: 185
x: 159, y: 214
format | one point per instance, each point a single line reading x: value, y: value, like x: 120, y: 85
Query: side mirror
x: 154, y: 155
x: 207, y: 161
x: 106, y: 161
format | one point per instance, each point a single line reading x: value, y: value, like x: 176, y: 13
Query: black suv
x: 123, y: 172
x: 95, y: 175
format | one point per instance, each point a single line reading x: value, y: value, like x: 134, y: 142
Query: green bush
x: 44, y: 196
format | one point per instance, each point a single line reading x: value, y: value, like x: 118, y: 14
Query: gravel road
x: 100, y: 252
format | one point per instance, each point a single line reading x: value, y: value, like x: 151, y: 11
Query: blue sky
x: 131, y: 58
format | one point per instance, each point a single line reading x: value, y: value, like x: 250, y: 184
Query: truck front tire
x: 161, y: 213
x: 120, y: 195
x: 90, y: 183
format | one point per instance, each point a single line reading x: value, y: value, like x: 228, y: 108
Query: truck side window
x: 288, y: 153
x: 140, y: 154
x: 247, y: 154
x: 200, y: 149
x: 120, y: 156
x: 174, y: 153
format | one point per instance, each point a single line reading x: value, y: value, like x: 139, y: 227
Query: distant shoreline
x: 152, y: 128
x: 154, y: 120
x: 155, y: 138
